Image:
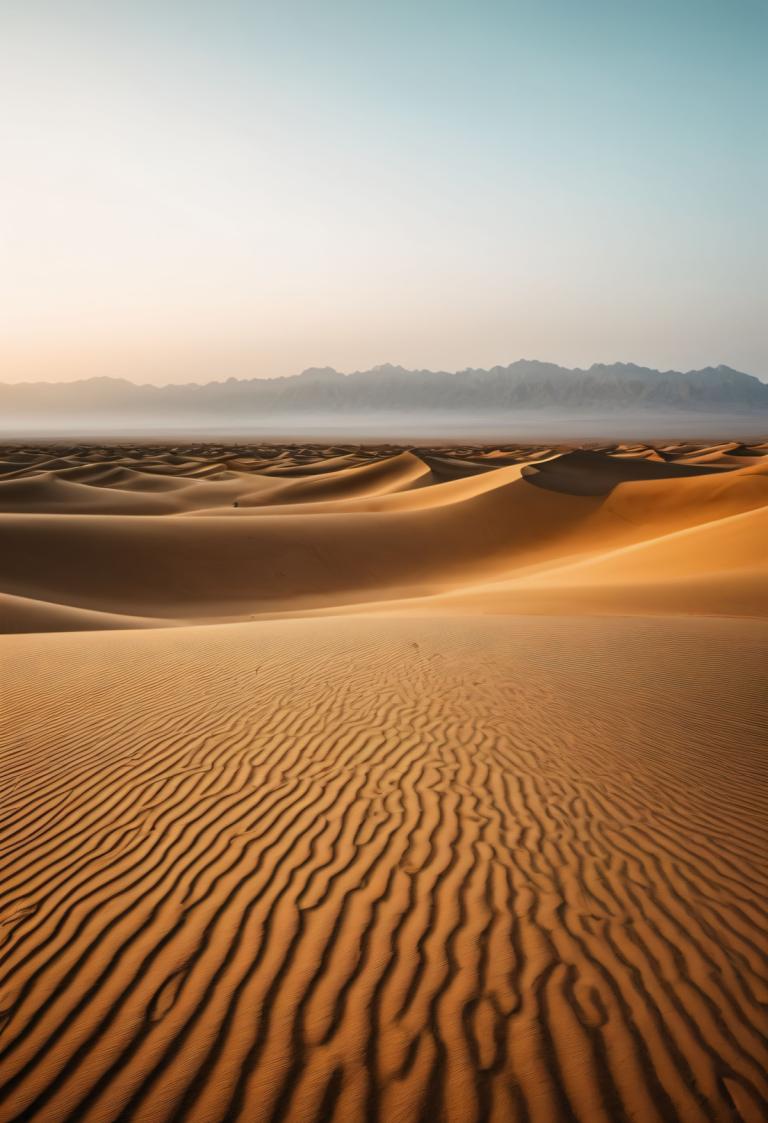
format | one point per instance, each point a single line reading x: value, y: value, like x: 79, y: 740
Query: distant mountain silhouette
x: 521, y: 388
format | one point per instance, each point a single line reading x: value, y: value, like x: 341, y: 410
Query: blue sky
x: 205, y: 190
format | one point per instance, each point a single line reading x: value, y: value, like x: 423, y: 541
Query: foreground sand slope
x: 505, y: 869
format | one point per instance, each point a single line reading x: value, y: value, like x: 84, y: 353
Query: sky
x: 219, y: 188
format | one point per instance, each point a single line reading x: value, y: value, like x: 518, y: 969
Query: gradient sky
x: 200, y: 190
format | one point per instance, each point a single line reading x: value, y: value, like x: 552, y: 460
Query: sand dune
x: 380, y: 477
x: 23, y: 614
x: 593, y: 473
x: 358, y: 785
x: 209, y: 541
x: 711, y: 567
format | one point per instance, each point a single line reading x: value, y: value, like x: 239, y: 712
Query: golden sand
x: 417, y: 786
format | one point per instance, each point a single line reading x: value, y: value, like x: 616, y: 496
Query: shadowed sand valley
x: 384, y: 785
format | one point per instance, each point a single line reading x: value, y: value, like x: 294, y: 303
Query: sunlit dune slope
x: 715, y: 567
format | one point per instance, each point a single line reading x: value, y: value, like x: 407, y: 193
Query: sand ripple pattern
x: 435, y: 870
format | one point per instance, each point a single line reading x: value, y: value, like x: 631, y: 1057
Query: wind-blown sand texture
x: 419, y: 785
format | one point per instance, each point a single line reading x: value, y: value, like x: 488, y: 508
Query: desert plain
x: 382, y: 784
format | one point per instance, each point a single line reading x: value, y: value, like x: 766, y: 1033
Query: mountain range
x: 523, y: 389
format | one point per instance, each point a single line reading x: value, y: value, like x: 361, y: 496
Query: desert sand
x: 383, y: 784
